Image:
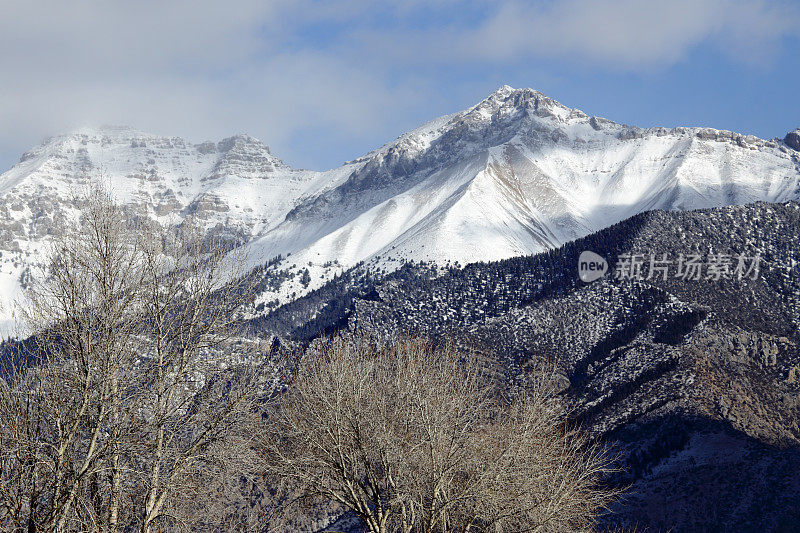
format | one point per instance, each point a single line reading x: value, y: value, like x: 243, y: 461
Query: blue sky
x: 325, y: 81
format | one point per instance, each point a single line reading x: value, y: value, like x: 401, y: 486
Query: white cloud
x: 199, y: 69
x: 617, y: 34
x: 279, y: 69
x: 632, y: 33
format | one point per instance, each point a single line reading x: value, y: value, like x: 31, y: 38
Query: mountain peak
x: 792, y: 139
x: 507, y: 92
x: 507, y: 100
x: 120, y: 136
x: 113, y: 131
x: 239, y: 140
x: 503, y: 91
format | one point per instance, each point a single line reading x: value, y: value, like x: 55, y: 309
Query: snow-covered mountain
x: 235, y: 187
x: 516, y: 174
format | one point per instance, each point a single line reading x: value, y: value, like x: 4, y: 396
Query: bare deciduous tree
x: 63, y: 395
x: 135, y: 384
x: 415, y: 438
x: 193, y: 291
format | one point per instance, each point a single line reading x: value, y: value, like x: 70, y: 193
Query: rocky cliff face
x: 792, y: 139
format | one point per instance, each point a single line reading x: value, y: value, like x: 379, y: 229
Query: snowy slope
x: 235, y: 187
x: 518, y: 173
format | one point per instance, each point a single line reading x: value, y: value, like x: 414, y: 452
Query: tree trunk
x: 116, y: 474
